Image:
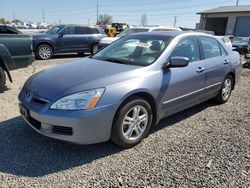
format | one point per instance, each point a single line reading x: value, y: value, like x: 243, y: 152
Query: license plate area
x: 24, y: 111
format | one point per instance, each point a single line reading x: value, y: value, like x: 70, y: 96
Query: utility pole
x: 14, y: 15
x: 175, y: 20
x: 97, y: 12
x: 43, y: 15
x: 237, y: 3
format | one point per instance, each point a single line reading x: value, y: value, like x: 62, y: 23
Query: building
x: 226, y: 20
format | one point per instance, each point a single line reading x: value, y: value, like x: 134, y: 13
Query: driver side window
x: 187, y: 47
x: 68, y: 30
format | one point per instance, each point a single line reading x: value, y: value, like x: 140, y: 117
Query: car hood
x: 80, y: 75
x: 108, y: 40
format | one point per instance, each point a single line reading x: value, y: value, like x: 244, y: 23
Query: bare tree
x: 144, y: 19
x: 104, y: 19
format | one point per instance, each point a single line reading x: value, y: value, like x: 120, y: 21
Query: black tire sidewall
x: 2, y: 77
x: 92, y: 49
x: 38, y: 48
x: 117, y: 135
x: 219, y: 97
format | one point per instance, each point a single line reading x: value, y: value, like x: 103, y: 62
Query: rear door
x: 216, y: 64
x: 184, y: 86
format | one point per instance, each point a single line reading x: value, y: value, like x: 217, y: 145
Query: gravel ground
x: 205, y: 146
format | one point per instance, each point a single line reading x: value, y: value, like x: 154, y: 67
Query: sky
x: 159, y: 12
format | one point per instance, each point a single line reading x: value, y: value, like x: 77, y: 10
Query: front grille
x: 39, y: 101
x: 62, y: 130
x: 31, y: 97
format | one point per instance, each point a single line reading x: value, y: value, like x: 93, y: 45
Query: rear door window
x: 82, y: 30
x: 210, y: 47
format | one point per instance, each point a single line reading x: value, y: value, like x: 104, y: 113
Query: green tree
x: 105, y: 19
x: 16, y: 21
x: 2, y: 21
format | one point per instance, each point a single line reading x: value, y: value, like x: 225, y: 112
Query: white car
x: 226, y: 41
x: 108, y: 40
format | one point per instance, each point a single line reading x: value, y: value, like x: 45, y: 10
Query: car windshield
x: 240, y: 40
x: 141, y: 50
x: 131, y: 31
x: 54, y: 30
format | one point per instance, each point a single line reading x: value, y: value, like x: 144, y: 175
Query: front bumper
x: 80, y: 127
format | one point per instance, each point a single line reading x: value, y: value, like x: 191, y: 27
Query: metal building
x: 226, y: 20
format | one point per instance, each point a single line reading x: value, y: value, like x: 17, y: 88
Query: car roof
x: 161, y: 33
x: 64, y: 25
x: 173, y: 33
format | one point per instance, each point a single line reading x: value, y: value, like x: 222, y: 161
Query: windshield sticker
x: 144, y: 45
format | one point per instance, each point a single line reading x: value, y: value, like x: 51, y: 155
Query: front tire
x: 225, y: 91
x: 2, y: 78
x: 132, y: 123
x: 44, y: 52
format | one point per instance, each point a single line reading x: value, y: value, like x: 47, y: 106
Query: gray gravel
x: 205, y: 146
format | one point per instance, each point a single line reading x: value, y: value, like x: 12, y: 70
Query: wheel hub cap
x: 135, y: 123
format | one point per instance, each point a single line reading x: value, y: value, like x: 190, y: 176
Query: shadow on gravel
x: 24, y: 152
x: 3, y: 89
x: 171, y: 120
x: 63, y: 56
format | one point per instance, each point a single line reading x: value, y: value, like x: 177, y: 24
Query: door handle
x: 225, y: 62
x: 200, y: 69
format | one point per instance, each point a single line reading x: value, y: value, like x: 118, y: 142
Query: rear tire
x: 132, y: 123
x: 225, y: 91
x: 2, y: 78
x: 94, y: 48
x: 44, y: 52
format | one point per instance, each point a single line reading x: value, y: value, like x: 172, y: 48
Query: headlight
x: 79, y: 101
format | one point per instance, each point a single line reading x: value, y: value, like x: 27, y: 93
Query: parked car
x: 16, y: 51
x: 241, y: 44
x: 108, y: 40
x: 6, y: 29
x: 67, y: 39
x: 226, y: 40
x: 127, y: 87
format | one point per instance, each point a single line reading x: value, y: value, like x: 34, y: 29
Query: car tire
x: 94, y: 48
x: 44, y: 52
x: 132, y: 122
x: 226, y: 90
x: 2, y: 78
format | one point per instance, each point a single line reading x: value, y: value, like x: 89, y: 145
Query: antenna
x: 97, y: 12
x: 175, y: 20
x: 43, y: 15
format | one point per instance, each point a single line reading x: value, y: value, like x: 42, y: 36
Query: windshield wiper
x: 117, y: 60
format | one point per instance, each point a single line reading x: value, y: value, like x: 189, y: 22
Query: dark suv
x: 67, y: 39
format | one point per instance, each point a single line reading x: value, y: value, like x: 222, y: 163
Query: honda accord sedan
x: 122, y: 91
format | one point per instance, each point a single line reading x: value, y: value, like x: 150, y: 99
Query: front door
x: 184, y: 86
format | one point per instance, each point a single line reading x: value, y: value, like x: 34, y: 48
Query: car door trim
x: 191, y: 93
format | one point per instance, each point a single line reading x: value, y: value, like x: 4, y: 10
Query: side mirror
x: 60, y: 34
x: 176, y: 62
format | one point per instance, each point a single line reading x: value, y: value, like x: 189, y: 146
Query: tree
x: 2, y: 21
x: 144, y: 20
x: 104, y: 19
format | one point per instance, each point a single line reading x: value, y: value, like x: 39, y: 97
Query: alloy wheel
x: 135, y: 123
